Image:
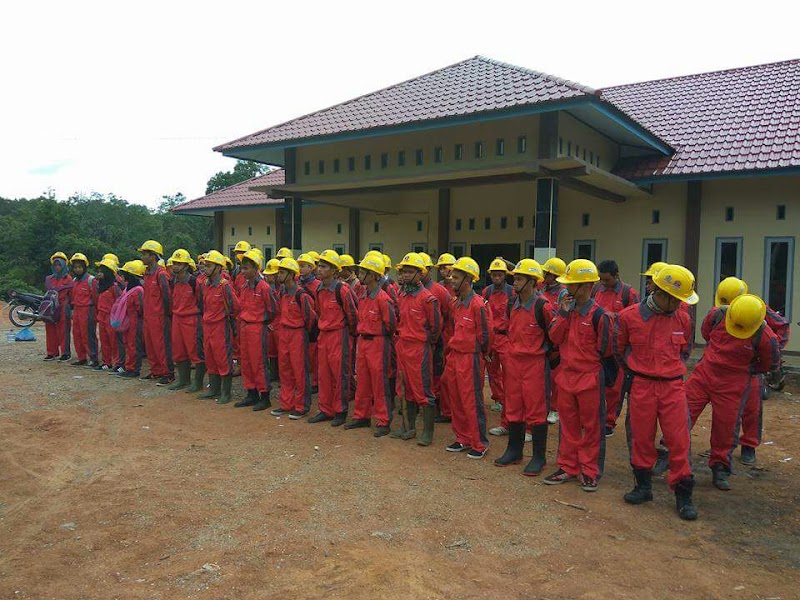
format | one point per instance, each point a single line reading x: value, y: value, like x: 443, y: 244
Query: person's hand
x: 566, y: 303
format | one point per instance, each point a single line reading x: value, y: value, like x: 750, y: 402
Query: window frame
x: 664, y: 243
x: 739, y: 241
x: 789, y: 270
x: 454, y: 246
x: 592, y: 243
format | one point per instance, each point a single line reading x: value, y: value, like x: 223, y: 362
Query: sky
x: 129, y: 98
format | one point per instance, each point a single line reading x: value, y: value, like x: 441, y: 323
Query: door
x: 484, y: 254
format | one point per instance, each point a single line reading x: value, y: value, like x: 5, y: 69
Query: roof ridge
x: 559, y: 80
x: 219, y: 191
x: 690, y: 75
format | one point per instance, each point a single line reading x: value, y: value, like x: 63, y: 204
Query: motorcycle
x: 25, y: 309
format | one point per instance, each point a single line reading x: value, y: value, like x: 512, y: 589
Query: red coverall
x: 133, y: 338
x: 84, y: 333
x: 613, y: 300
x: 464, y: 372
x: 220, y: 307
x: 157, y: 321
x: 447, y: 333
x: 439, y: 350
x: 654, y: 349
x: 724, y: 377
x: 258, y: 308
x: 553, y: 294
x: 500, y: 300
x: 112, y: 347
x: 58, y: 333
x: 337, y: 323
x: 311, y: 284
x: 187, y: 328
x: 583, y: 340
x: 527, y: 371
x: 376, y: 326
x: 238, y: 283
x: 297, y: 318
x: 417, y: 331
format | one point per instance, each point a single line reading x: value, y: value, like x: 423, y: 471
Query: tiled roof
x: 472, y: 86
x: 725, y: 121
x: 237, y: 195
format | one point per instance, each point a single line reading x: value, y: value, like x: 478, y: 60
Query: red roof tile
x: 239, y: 194
x: 472, y: 86
x: 724, y: 121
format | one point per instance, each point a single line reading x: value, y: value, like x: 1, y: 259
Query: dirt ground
x: 120, y: 489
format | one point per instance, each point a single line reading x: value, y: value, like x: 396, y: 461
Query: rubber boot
x: 225, y: 394
x: 516, y: 441
x: 215, y: 382
x: 428, y: 415
x: 401, y: 430
x: 412, y: 409
x: 197, y: 380
x: 720, y: 474
x: 643, y: 490
x: 339, y: 419
x: 250, y: 400
x: 683, y: 499
x: 263, y: 403
x: 183, y: 369
x: 662, y: 461
x: 539, y: 460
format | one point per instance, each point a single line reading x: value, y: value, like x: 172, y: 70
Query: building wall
x: 577, y: 140
x: 256, y: 226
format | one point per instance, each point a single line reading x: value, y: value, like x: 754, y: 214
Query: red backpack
x: 119, y: 311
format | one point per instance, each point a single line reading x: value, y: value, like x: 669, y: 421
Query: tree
x: 242, y: 171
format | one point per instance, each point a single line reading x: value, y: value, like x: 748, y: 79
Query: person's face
x: 520, y: 281
x: 608, y: 280
x: 549, y: 278
x: 180, y: 268
x: 248, y: 270
x: 649, y: 286
x: 346, y: 273
x: 326, y: 270
x: 78, y: 268
x: 444, y: 272
x: 57, y: 266
x: 457, y: 277
x: 666, y: 302
x: 306, y: 269
x: 238, y: 256
x: 498, y: 277
x: 409, y: 275
x: 210, y: 269
x: 272, y: 279
x: 363, y: 276
x: 149, y: 258
x: 285, y: 275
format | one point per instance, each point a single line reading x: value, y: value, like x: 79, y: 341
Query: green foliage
x: 32, y: 230
x: 242, y: 171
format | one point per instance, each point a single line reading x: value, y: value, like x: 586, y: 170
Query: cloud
x: 49, y: 168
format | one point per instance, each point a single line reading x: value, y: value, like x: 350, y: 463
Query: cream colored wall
x: 320, y: 227
x: 590, y: 145
x: 258, y: 219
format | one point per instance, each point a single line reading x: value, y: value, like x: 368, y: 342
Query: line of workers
x: 562, y: 343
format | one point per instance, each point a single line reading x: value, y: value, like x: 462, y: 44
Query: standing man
x: 187, y: 325
x: 582, y: 331
x: 554, y: 292
x: 106, y: 291
x: 58, y: 333
x: 84, y: 312
x: 310, y: 283
x: 157, y: 315
x: 612, y: 295
x: 653, y: 342
x: 348, y: 273
x: 445, y: 267
x: 439, y: 350
x: 500, y: 298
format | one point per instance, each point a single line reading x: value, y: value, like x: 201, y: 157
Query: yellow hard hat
x: 446, y: 260
x: 229, y: 263
x: 331, y: 257
x: 554, y: 265
x: 169, y: 262
x: 255, y: 256
x: 426, y: 257
x: 412, y: 259
x: 60, y: 255
x: 314, y: 254
x: 345, y: 260
x: 307, y: 258
x: 272, y: 266
x: 151, y: 246
x: 284, y: 253
x: 374, y: 264
x: 192, y: 264
x: 134, y: 267
x: 260, y: 252
x: 728, y: 289
x: 745, y: 315
x: 107, y: 262
x: 161, y: 262
x: 678, y: 282
x: 181, y: 256
x: 580, y: 270
x: 529, y: 268
x: 242, y: 246
x: 201, y: 256
x: 111, y: 256
x: 374, y: 254
x: 290, y: 264
x: 216, y: 258
x: 654, y: 268
x: 79, y: 257
x: 498, y: 264
x: 466, y: 265
x: 387, y: 261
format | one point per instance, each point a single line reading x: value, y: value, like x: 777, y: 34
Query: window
x: 307, y: 167
x: 233, y: 231
x: 577, y: 150
x: 458, y: 224
x: 522, y: 144
x: 585, y: 220
x: 652, y: 251
x: 778, y: 269
x: 339, y: 228
x: 419, y: 157
x: 458, y: 250
x: 479, y: 151
x: 503, y: 222
x: 321, y: 167
x: 569, y: 148
x: 376, y: 226
x: 472, y: 224
x: 269, y: 230
x: 500, y: 147
x: 584, y: 154
x: 458, y: 151
x: 729, y: 213
x: 367, y: 162
x: 727, y: 258
x: 269, y: 250
x: 591, y: 158
x: 376, y: 246
x: 384, y: 160
x: 781, y: 216
x: 487, y: 223
x: 351, y: 163
x: 419, y: 247
x: 656, y: 217
x: 335, y: 165
x: 401, y: 158
x: 438, y: 154
x: 338, y: 248
x: 250, y: 231
x: 419, y: 225
x: 520, y: 222
x: 560, y: 145
x: 598, y: 160
x: 584, y: 249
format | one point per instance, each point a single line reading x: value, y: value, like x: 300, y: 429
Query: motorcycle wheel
x: 777, y: 385
x: 17, y: 319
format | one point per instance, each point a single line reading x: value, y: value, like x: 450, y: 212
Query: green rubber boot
x: 426, y: 437
x: 184, y: 375
x: 225, y: 396
x: 214, y: 390
x: 400, y: 418
x: 411, y: 432
x: 197, y: 381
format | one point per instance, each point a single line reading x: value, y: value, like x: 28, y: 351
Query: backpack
x: 609, y: 363
x: 313, y: 335
x: 49, y: 309
x: 120, y: 321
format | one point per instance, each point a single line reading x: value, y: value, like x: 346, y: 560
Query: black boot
x: 225, y: 393
x: 263, y: 402
x: 643, y: 490
x: 214, y: 388
x: 683, y: 499
x: 516, y: 441
x: 339, y: 419
x: 250, y: 400
x: 357, y: 424
x: 411, y: 432
x: 720, y: 474
x: 662, y: 461
x: 197, y: 380
x: 426, y: 437
x: 539, y: 460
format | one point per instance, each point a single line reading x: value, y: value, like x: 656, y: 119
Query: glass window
x: 728, y: 258
x: 522, y: 144
x: 585, y: 219
x: 458, y: 151
x: 503, y: 222
x: 781, y: 216
x: 401, y: 158
x: 384, y: 160
x: 778, y: 269
x: 233, y: 231
x: 479, y: 150
x: 351, y: 163
x: 652, y: 251
x: 338, y: 248
x: 335, y: 165
x: 307, y: 167
x: 321, y: 167
x: 561, y: 145
x: 458, y: 224
x: 268, y: 250
x: 419, y: 225
x: 487, y: 223
x: 376, y: 227
x: 729, y: 213
x: 269, y: 230
x: 250, y: 231
x: 500, y: 147
x: 520, y: 222
x: 438, y: 154
x: 419, y: 156
x: 656, y: 217
x: 584, y: 249
x: 367, y: 162
x: 339, y: 228
x: 458, y: 250
x: 472, y: 224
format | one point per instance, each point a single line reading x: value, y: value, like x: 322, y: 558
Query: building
x: 486, y: 158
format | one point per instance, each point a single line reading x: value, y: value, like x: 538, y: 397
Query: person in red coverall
x: 612, y: 295
x: 310, y: 283
x: 500, y: 298
x: 582, y: 331
x: 740, y: 345
x: 84, y: 315
x: 258, y: 307
x: 337, y: 321
x: 377, y: 323
x: 157, y: 315
x: 297, y: 319
x: 465, y: 369
x: 527, y: 369
x: 418, y: 328
x: 653, y: 342
x: 220, y: 310
x: 58, y: 333
x: 187, y: 327
x: 270, y: 273
x: 133, y: 337
x: 107, y: 290
x: 445, y: 265
x: 443, y: 297
x: 554, y: 292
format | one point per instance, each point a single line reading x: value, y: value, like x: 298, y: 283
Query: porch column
x: 219, y: 223
x: 443, y: 226
x: 354, y: 230
x: 691, y: 248
x: 545, y: 238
